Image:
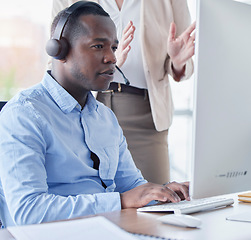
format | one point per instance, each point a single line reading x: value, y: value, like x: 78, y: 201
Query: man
x: 156, y: 44
x: 62, y: 153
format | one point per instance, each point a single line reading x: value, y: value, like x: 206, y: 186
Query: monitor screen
x: 221, y: 159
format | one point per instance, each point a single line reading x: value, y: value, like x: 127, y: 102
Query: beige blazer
x: 156, y: 16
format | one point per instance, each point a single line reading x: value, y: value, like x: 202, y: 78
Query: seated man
x: 62, y: 153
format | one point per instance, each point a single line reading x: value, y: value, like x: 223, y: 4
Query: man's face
x: 90, y: 64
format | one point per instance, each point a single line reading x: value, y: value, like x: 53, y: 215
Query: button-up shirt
x: 46, y: 172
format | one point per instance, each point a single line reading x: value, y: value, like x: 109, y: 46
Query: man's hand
x: 142, y: 195
x: 124, y: 44
x: 180, y: 49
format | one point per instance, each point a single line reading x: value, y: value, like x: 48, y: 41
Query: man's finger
x: 183, y: 188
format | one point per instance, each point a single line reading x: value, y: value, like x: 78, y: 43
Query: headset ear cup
x: 53, y: 47
x: 57, y: 49
x: 64, y: 49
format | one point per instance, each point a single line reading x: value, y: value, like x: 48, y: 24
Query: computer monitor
x: 221, y: 159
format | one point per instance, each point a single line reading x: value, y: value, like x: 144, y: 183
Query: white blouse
x: 133, y: 67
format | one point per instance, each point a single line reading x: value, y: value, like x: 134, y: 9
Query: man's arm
x: 136, y: 192
x: 24, y: 150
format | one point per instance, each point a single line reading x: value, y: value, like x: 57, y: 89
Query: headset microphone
x: 125, y: 79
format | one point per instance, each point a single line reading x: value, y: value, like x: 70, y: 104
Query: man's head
x: 62, y: 34
x: 89, y: 63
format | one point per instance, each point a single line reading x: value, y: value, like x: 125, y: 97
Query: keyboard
x: 187, y: 207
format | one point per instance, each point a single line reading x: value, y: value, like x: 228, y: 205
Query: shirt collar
x: 62, y: 98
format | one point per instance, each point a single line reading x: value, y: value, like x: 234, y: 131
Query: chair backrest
x: 2, y: 103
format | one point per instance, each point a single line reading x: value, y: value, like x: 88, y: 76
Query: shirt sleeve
x: 122, y: 169
x: 128, y: 176
x: 23, y: 174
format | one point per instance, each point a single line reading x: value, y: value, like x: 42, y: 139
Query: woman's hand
x: 180, y: 49
x: 124, y: 44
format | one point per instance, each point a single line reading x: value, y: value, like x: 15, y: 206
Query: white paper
x: 94, y: 228
x: 241, y: 217
x: 244, y: 1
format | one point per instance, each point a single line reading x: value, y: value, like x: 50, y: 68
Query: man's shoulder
x: 25, y: 98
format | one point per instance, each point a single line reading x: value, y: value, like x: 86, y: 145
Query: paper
x: 241, y: 217
x: 94, y: 228
x: 244, y: 1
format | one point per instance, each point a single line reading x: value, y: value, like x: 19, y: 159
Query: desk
x: 214, y: 224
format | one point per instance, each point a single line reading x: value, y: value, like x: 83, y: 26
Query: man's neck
x: 79, y: 94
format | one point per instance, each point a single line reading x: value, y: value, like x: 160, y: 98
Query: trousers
x: 149, y: 148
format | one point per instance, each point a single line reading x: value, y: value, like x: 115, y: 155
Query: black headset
x: 58, y: 46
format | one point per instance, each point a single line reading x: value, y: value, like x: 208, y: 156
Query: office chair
x: 2, y: 103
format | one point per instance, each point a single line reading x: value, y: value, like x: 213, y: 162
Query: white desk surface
x: 214, y: 224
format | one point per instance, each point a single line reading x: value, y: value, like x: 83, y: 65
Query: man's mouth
x: 108, y: 72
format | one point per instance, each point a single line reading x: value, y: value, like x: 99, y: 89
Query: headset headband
x: 63, y: 19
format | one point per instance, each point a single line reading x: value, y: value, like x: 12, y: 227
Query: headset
x: 58, y: 46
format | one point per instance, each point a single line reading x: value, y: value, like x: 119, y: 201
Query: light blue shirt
x: 46, y: 171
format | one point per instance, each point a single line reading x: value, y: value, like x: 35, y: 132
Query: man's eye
x: 99, y: 46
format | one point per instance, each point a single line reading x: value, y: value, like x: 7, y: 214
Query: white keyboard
x: 187, y: 207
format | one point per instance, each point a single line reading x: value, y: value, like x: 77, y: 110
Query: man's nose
x: 110, y: 57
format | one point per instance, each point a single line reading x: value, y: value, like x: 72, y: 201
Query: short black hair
x: 73, y: 28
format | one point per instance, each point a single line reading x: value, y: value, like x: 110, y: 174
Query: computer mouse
x: 181, y: 220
